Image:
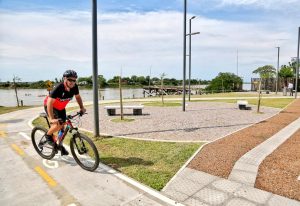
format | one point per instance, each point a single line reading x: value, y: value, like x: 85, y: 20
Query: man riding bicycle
x: 56, y: 102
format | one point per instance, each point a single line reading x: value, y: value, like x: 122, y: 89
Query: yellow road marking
x: 3, y: 133
x: 18, y: 149
x: 45, y: 176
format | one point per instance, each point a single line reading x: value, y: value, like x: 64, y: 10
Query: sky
x: 40, y: 39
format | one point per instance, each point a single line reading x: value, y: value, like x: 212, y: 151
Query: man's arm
x: 79, y: 101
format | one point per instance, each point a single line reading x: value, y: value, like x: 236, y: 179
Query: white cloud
x: 269, y: 4
x: 50, y: 42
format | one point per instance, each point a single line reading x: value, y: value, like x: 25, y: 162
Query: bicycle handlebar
x: 78, y: 113
x: 72, y: 116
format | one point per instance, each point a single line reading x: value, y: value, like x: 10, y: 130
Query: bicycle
x: 82, y: 148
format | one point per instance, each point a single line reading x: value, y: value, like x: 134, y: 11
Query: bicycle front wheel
x: 84, y: 152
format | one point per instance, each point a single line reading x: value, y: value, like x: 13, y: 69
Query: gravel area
x: 219, y: 157
x: 202, y: 121
x: 279, y: 172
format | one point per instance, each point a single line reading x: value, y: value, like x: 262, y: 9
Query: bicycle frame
x: 68, y: 126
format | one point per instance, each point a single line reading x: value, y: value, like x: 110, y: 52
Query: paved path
x: 196, y: 188
x: 27, y: 179
x: 246, y: 168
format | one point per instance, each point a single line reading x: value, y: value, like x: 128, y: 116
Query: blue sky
x: 39, y: 39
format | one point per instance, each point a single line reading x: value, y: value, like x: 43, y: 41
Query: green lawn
x: 4, y: 110
x: 160, y: 104
x: 270, y: 102
x: 228, y: 94
x: 151, y: 163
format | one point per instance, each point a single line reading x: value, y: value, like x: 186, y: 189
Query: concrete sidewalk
x: 196, y: 188
x: 246, y: 168
x: 60, y: 181
x: 192, y: 187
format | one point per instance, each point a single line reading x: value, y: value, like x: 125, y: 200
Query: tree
x: 225, y: 81
x: 114, y: 81
x: 264, y: 72
x: 161, y: 87
x: 133, y: 79
x: 102, y: 81
x: 58, y: 80
x: 286, y: 72
x: 15, y: 80
x: 142, y: 80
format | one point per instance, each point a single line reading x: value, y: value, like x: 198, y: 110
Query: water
x: 37, y: 96
x: 247, y: 86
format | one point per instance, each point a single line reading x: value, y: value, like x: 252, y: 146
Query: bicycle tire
x: 77, y: 157
x: 38, y: 150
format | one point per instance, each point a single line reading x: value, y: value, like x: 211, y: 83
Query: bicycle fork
x: 80, y: 148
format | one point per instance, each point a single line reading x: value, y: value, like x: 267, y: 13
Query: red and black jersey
x: 62, y: 96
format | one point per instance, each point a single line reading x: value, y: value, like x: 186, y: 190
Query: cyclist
x: 56, y: 102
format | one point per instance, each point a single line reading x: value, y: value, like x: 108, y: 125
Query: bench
x: 111, y: 110
x: 243, y: 105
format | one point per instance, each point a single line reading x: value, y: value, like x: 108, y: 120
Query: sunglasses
x: 71, y: 80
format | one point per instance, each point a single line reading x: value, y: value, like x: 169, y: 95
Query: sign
x: 49, y: 85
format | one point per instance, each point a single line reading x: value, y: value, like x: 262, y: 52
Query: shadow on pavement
x: 116, y: 162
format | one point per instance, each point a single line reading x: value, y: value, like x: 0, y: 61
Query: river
x: 36, y: 96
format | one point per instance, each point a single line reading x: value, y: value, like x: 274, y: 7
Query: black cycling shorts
x: 58, y: 114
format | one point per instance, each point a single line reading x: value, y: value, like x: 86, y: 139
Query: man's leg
x: 53, y: 127
x: 63, y: 116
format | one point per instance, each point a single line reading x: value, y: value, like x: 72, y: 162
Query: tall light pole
x: 278, y: 51
x: 190, y: 53
x: 297, y: 66
x: 237, y: 62
x: 184, y: 54
x: 95, y: 68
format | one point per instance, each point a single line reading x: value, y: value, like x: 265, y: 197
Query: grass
x: 270, y: 102
x: 4, y: 110
x: 228, y: 94
x: 119, y: 120
x: 160, y: 104
x: 151, y: 163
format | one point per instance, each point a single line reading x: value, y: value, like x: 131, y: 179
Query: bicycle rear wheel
x: 38, y: 138
x: 84, y: 152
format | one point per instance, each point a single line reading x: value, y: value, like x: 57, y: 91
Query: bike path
x: 27, y: 179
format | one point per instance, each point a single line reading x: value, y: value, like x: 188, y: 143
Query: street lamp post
x: 95, y: 69
x: 190, y: 53
x: 297, y: 66
x: 237, y: 62
x: 184, y: 54
x: 278, y: 49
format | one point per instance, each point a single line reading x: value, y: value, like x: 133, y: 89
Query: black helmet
x: 70, y: 73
